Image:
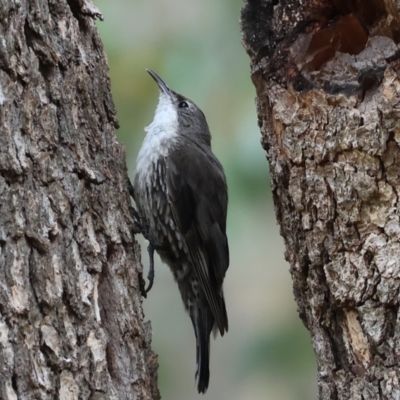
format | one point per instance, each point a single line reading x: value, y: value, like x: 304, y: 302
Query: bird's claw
x: 137, y: 223
x: 140, y: 228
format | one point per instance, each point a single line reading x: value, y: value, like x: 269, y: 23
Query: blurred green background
x: 195, y: 47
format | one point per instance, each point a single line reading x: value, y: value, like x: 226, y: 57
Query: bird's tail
x: 203, y: 322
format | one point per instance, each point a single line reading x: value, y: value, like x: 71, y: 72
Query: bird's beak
x: 161, y: 84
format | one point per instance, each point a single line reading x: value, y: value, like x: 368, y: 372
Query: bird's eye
x: 183, y: 104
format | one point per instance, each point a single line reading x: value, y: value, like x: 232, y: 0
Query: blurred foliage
x: 195, y: 46
x: 284, y: 350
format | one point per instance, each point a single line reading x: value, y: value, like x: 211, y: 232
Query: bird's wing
x: 198, y: 198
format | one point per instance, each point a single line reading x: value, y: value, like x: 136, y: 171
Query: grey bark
x: 71, y: 321
x: 327, y: 75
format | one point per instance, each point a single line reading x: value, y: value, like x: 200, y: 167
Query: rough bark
x: 327, y: 77
x: 71, y: 322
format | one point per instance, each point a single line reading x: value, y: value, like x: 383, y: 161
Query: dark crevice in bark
x: 392, y: 313
x: 33, y: 282
x: 37, y: 242
x: 51, y: 359
x: 75, y: 7
x: 45, y: 70
x: 14, y: 383
x: 28, y: 34
x: 112, y: 363
x: 338, y: 347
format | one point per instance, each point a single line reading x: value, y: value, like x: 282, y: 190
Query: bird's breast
x: 157, y: 144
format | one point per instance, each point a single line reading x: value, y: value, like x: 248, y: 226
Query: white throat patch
x: 161, y: 134
x: 165, y: 118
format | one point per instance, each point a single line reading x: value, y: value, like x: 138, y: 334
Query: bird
x: 181, y: 196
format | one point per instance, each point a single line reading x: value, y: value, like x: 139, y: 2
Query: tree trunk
x: 71, y: 321
x: 327, y: 77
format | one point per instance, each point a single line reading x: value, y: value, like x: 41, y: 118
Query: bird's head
x: 178, y: 115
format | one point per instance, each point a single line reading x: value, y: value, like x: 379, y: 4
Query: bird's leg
x: 150, y: 275
x: 143, y: 228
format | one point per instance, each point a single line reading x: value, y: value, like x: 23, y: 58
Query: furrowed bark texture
x: 71, y: 322
x: 327, y: 77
